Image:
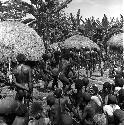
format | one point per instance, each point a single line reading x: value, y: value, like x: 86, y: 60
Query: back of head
x: 58, y: 93
x: 121, y: 92
x: 78, y: 84
x: 45, y: 57
x: 112, y: 99
x: 94, y: 90
x: 85, y: 81
x: 86, y: 97
x: 121, y: 96
x: 121, y: 82
x: 36, y: 108
x: 50, y: 100
x: 107, y: 87
x: 21, y: 58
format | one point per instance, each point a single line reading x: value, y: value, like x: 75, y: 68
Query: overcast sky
x: 96, y: 8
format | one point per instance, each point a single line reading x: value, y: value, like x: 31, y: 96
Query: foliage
x: 12, y: 10
x: 49, y: 21
x: 100, y: 31
x: 54, y: 25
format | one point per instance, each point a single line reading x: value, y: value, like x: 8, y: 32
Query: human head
x: 21, y: 58
x: 121, y: 95
x: 58, y: 93
x: 84, y: 100
x: 36, y: 109
x: 94, y: 90
x: 112, y: 99
x: 45, y: 57
x: 86, y: 97
x: 121, y: 82
x: 107, y: 87
x: 78, y: 84
x: 85, y: 81
x: 50, y: 100
x: 19, y: 95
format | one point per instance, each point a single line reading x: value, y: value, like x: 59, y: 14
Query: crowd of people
x: 83, y: 104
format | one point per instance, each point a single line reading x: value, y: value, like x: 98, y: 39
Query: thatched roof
x: 79, y: 42
x: 116, y: 40
x: 16, y: 37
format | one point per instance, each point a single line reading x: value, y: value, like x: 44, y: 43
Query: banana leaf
x: 16, y: 37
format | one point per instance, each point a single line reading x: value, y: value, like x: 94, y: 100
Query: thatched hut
x: 78, y: 42
x: 16, y: 37
x: 116, y: 42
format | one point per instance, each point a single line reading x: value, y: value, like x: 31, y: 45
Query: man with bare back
x: 22, y: 79
x: 15, y: 108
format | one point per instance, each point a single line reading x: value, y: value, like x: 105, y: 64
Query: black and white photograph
x: 61, y: 62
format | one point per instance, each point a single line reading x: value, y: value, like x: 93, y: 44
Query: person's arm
x: 19, y: 85
x: 44, y: 68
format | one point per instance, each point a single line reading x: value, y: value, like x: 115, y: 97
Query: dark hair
x: 107, y: 86
x: 95, y: 89
x: 86, y: 96
x: 36, y: 108
x: 21, y: 58
x: 78, y: 84
x: 58, y: 93
x: 112, y: 99
x: 50, y: 100
x: 45, y: 57
x: 85, y: 81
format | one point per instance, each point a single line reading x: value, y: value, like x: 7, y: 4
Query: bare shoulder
x: 20, y: 68
x: 26, y: 68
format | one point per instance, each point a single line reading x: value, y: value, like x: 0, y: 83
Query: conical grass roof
x: 16, y: 37
x: 116, y: 40
x: 78, y: 41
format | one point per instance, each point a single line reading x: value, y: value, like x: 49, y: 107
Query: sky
x: 96, y: 8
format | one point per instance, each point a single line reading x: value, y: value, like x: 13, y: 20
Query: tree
x: 105, y: 22
x: 47, y: 16
x: 11, y: 10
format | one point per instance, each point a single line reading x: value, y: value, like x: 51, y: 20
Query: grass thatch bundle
x: 16, y: 37
x: 78, y: 41
x: 117, y: 41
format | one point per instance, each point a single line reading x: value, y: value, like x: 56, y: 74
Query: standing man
x: 22, y: 77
